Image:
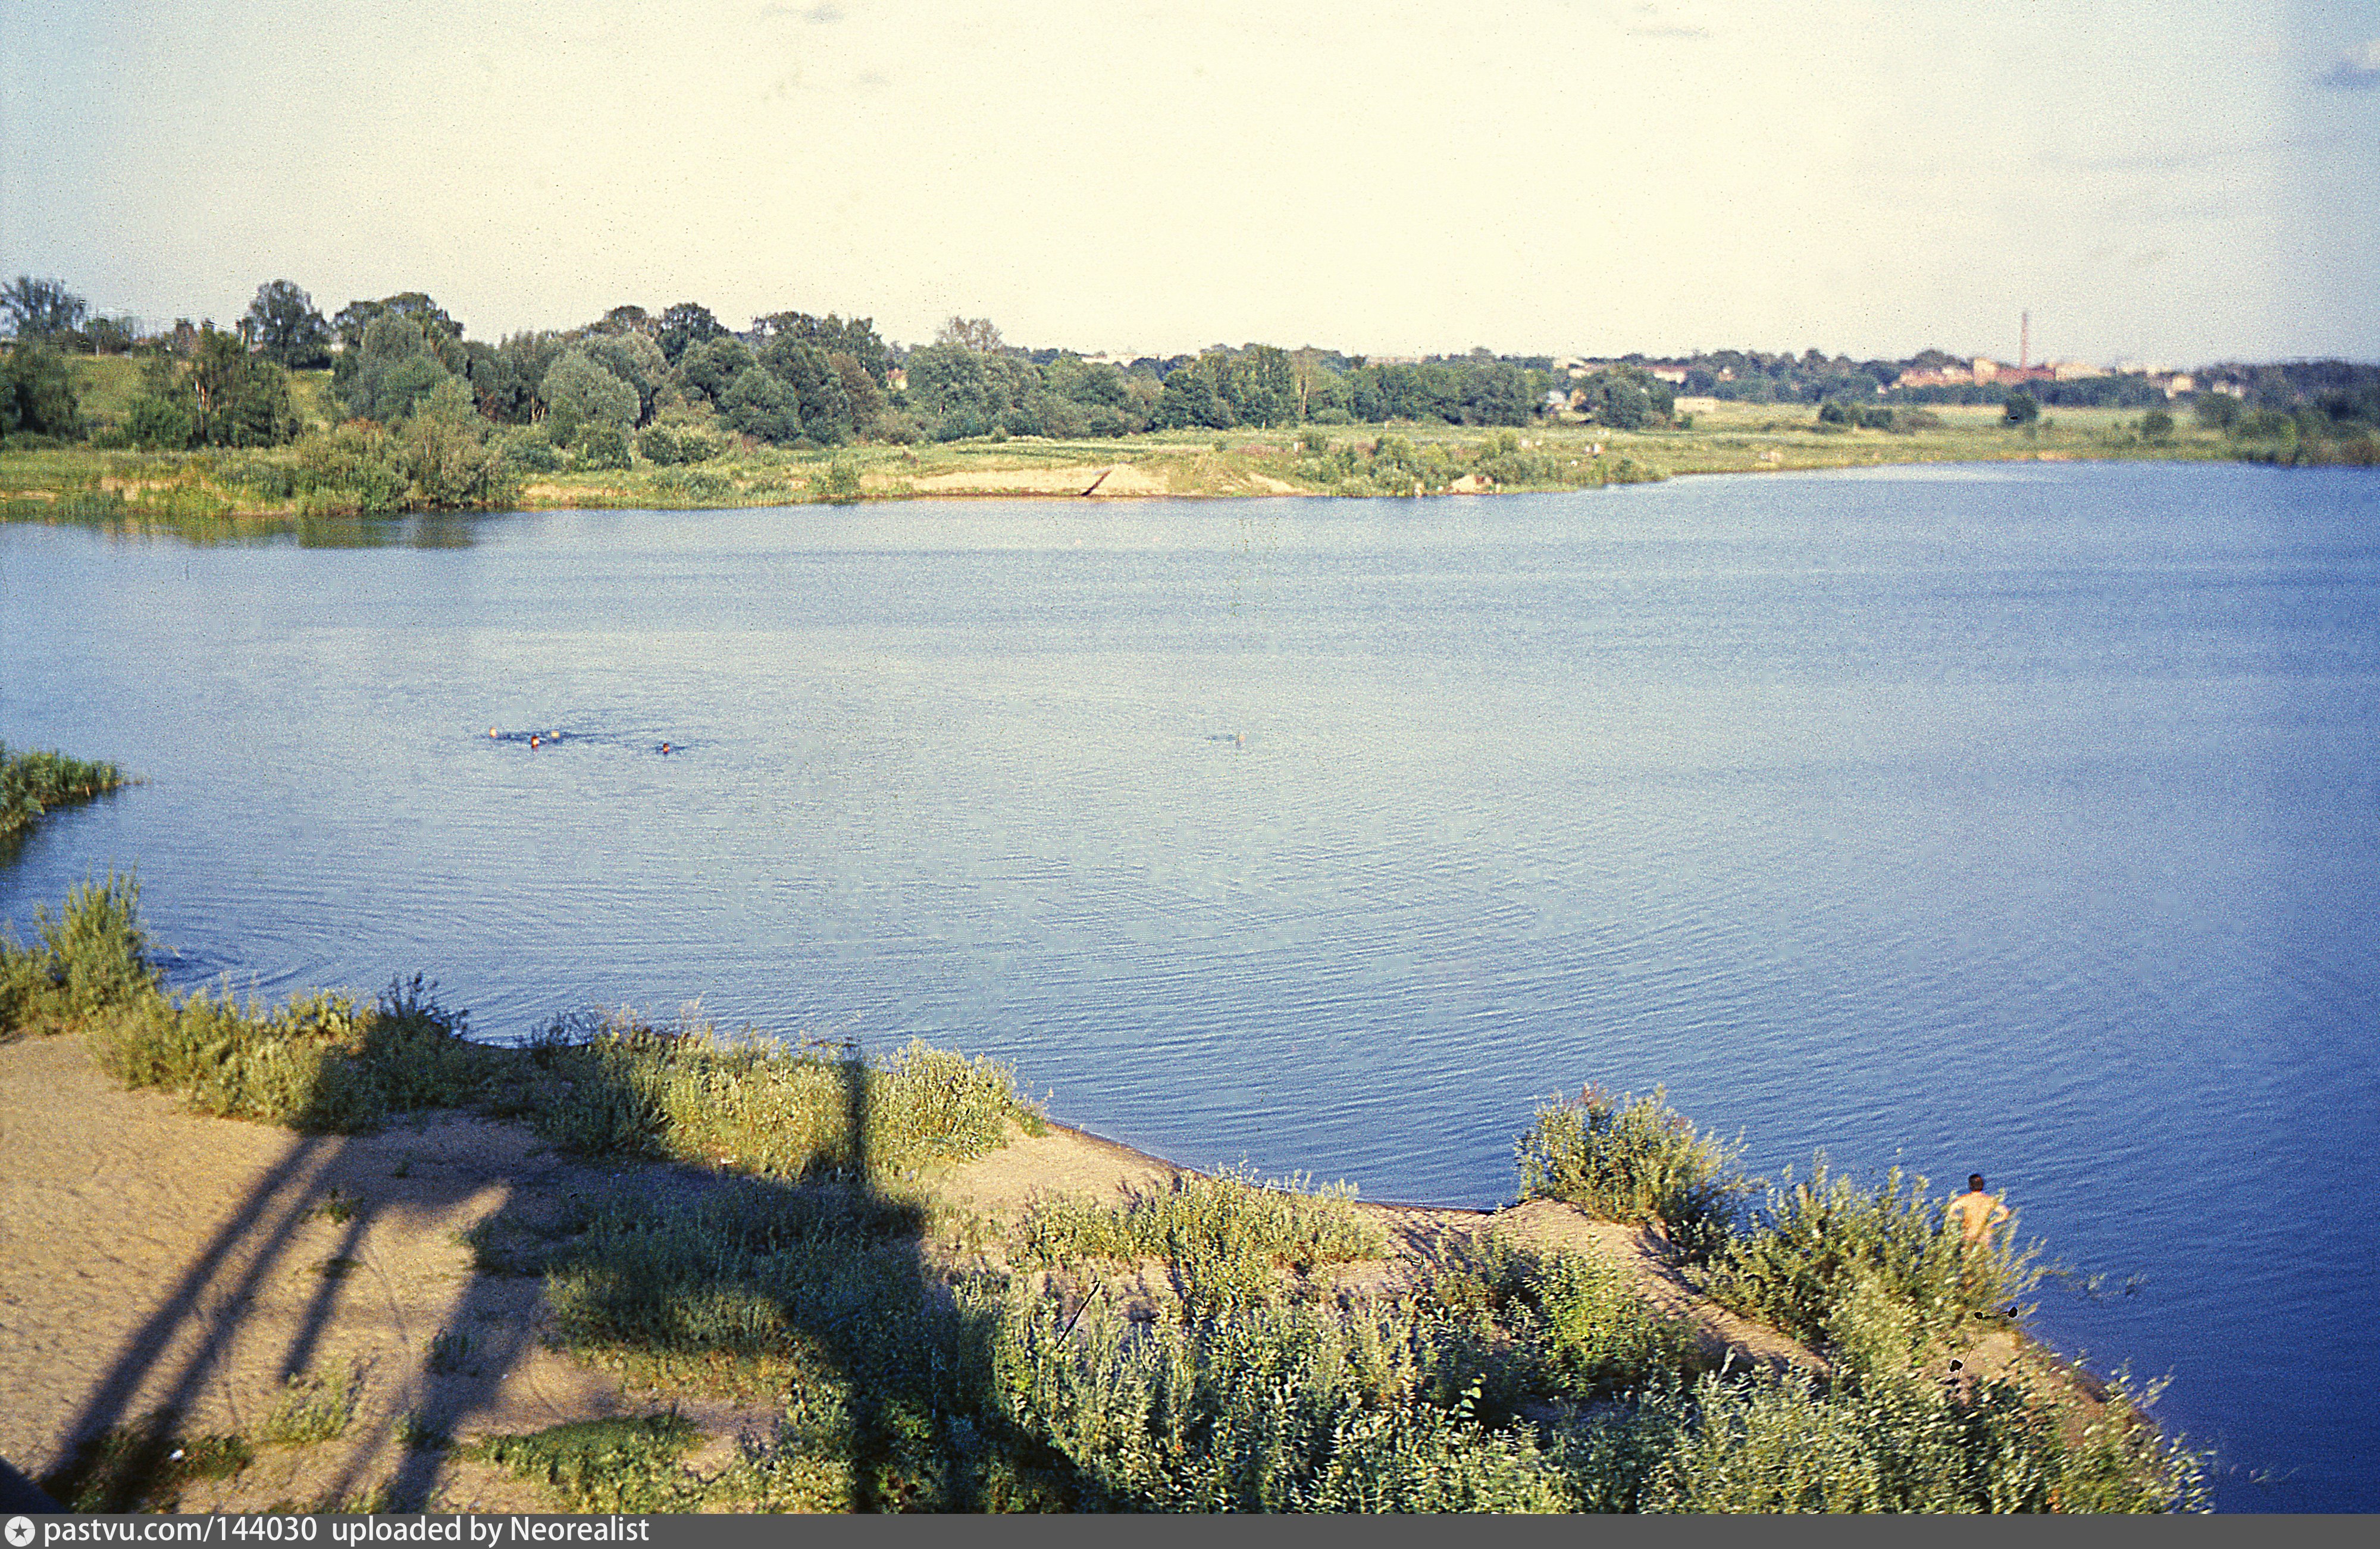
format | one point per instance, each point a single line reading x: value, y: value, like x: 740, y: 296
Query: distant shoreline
x: 225, y: 493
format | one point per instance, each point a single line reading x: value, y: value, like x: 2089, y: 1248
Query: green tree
x: 710, y: 365
x: 354, y: 319
x: 112, y: 335
x: 826, y: 412
x: 580, y: 390
x: 401, y: 358
x: 979, y: 334
x: 2022, y: 408
x: 163, y: 415
x: 635, y: 359
x: 956, y: 390
x: 283, y: 323
x: 1260, y: 386
x: 683, y: 326
x: 508, y: 378
x: 1194, y: 395
x: 37, y: 394
x: 239, y: 399
x: 758, y: 403
x: 42, y: 311
x: 447, y: 454
x: 860, y: 391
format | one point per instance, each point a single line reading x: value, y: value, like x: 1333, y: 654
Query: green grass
x: 144, y: 1466
x: 90, y: 966
x: 313, y: 1408
x: 621, y: 1086
x: 620, y: 1464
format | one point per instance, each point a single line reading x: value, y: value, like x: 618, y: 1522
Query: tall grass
x: 34, y: 783
x: 1226, y: 1239
x: 628, y: 1087
x: 1637, y: 1161
x: 92, y: 959
x: 322, y: 1063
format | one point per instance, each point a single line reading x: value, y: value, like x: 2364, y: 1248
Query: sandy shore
x: 156, y: 1259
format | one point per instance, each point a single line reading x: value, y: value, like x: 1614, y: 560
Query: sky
x: 2162, y: 181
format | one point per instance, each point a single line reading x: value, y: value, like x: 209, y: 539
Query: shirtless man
x: 1977, y: 1212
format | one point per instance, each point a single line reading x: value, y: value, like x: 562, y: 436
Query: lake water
x: 2018, y: 820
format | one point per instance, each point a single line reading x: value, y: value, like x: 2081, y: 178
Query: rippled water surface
x: 2015, y: 819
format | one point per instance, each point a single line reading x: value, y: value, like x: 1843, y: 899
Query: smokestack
x: 2024, y: 341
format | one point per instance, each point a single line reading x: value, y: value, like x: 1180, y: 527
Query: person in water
x: 1976, y: 1212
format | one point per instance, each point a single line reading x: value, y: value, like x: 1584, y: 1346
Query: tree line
x: 679, y: 385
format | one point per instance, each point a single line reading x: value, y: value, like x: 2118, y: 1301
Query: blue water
x: 2018, y: 820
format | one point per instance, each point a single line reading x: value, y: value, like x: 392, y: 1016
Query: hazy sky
x: 2172, y: 180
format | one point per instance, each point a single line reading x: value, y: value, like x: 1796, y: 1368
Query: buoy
x: 492, y: 731
x: 664, y: 747
x: 533, y: 740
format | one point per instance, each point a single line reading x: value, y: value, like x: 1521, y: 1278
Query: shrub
x: 1834, y: 1263
x: 92, y: 959
x: 1637, y: 1161
x: 601, y: 446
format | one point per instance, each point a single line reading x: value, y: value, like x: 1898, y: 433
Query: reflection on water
x: 2012, y: 820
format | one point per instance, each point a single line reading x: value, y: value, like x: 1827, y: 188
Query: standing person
x: 1976, y: 1212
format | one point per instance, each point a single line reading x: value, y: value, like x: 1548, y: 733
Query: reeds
x: 34, y: 783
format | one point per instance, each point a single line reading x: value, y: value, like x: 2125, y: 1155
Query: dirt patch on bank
x: 1093, y: 479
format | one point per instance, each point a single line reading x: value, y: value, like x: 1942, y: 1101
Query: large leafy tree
x: 855, y: 337
x: 225, y: 397
x: 979, y: 334
x: 758, y: 403
x: 353, y: 318
x: 400, y: 360
x: 37, y: 394
x: 709, y: 367
x: 283, y: 326
x: 1260, y: 385
x: 635, y: 359
x: 1195, y: 395
x: 580, y: 390
x: 42, y: 311
x: 509, y: 378
x: 805, y: 368
x: 681, y: 327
